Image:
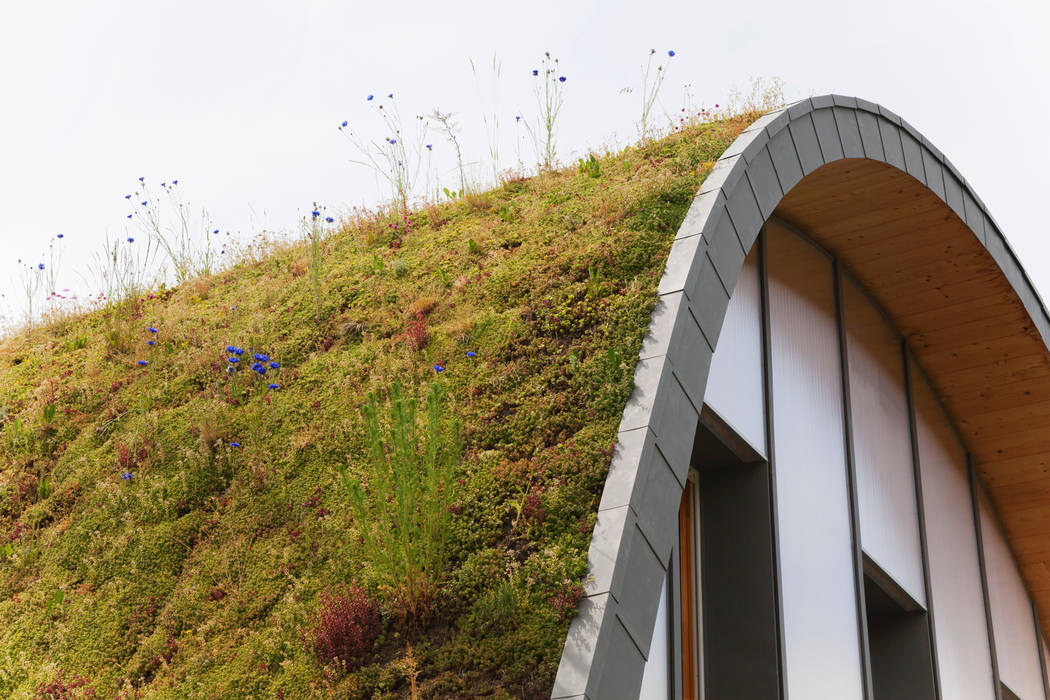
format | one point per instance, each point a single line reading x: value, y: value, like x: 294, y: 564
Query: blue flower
x: 471, y: 353
x: 142, y: 179
x: 275, y: 386
x: 174, y: 182
x: 127, y: 196
x: 439, y: 368
x: 391, y: 95
x: 256, y: 366
x: 230, y: 348
x: 670, y: 53
x: 517, y: 118
x: 329, y: 219
x: 163, y: 184
x: 344, y: 123
x: 40, y: 266
x: 129, y: 216
x: 261, y: 370
x: 393, y: 141
x: 369, y: 98
x: 142, y: 363
x: 260, y: 357
x: 126, y: 476
x: 151, y: 329
x: 561, y: 78
x: 238, y: 351
x: 234, y: 360
x: 235, y: 444
x: 215, y: 231
x: 151, y: 342
x: 430, y: 147
x: 274, y: 365
x: 130, y: 239
x: 61, y: 235
x: 315, y: 213
x: 535, y: 72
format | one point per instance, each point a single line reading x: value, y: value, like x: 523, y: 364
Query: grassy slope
x: 198, y: 577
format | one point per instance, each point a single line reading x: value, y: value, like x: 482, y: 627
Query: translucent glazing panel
x: 734, y: 385
x: 656, y: 677
x: 889, y: 515
x: 1016, y: 646
x: 821, y: 655
x: 963, y: 654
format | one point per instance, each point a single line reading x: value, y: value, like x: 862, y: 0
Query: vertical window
x: 822, y: 656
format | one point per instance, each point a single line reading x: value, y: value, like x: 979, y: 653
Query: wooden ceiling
x: 965, y: 325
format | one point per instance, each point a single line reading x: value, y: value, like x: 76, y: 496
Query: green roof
x: 202, y: 573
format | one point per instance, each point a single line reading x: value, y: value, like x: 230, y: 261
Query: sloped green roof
x: 201, y: 574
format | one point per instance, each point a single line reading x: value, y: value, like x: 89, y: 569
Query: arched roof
x: 866, y: 185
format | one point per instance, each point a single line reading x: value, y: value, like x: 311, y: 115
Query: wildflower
x: 439, y: 368
x: 61, y: 235
x: 235, y: 444
x: 391, y: 95
x: 126, y: 476
x: 430, y: 147
x: 329, y: 219
x: 260, y: 357
x: 517, y: 118
x: 230, y: 348
x: 535, y: 72
x: 393, y: 141
x: 369, y: 98
x: 274, y: 365
x: 40, y: 266
x: 343, y: 124
x: 151, y: 342
x: 145, y: 203
x: 234, y: 360
x: 215, y: 231
x: 471, y: 353
x: 315, y: 213
x: 261, y: 370
x: 561, y: 78
x: 129, y: 216
x: 238, y: 351
x: 275, y: 386
x: 670, y: 53
x: 142, y: 179
x: 127, y: 196
x: 174, y: 182
x: 142, y: 363
x: 163, y: 184
x: 256, y: 366
x: 130, y: 239
x: 151, y: 329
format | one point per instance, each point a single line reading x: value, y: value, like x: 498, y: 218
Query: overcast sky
x: 241, y: 100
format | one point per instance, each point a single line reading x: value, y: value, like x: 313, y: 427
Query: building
x: 830, y: 480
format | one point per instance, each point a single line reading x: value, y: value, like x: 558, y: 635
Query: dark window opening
x: 898, y: 640
x: 737, y: 566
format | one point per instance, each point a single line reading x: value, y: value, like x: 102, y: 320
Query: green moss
x: 199, y: 575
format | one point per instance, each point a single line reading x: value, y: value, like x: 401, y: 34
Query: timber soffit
x: 607, y: 643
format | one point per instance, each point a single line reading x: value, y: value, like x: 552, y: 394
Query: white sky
x: 240, y: 100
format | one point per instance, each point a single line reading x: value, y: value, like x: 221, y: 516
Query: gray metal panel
x: 828, y: 135
x: 709, y: 300
x: 680, y: 261
x: 785, y: 160
x: 625, y: 667
x: 934, y: 172
x: 799, y: 108
x: 953, y: 195
x: 579, y: 663
x: 870, y: 136
x: 655, y: 500
x: 806, y: 144
x: 724, y: 175
x: 639, y: 591
x: 974, y: 216
x: 632, y: 456
x: 913, y: 157
x: 764, y: 183
x: 725, y: 253
x: 695, y: 218
x: 891, y: 142
x: 849, y: 133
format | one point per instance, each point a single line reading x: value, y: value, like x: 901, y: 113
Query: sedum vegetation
x: 174, y: 529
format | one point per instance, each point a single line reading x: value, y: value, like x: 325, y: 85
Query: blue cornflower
x: 151, y: 329
x: 145, y: 203
x: 344, y: 123
x: 439, y: 368
x: 61, y: 235
x: 151, y: 342
x: 471, y: 353
x: 260, y: 357
x: 40, y: 266
x: 130, y: 239
x: 126, y: 476
x: 391, y: 95
x: 315, y: 213
x: 234, y: 360
x: 256, y: 366
x: 230, y: 348
x: 535, y: 72
x: 329, y: 219
x: 370, y: 97
x: 238, y: 351
x: 670, y: 53
x: 129, y: 216
x: 517, y: 118
x: 393, y: 141
x: 274, y: 365
x: 174, y: 182
x: 142, y: 363
x: 127, y: 196
x: 275, y: 386
x: 561, y: 78
x: 430, y: 146
x: 163, y: 184
x: 215, y: 231
x: 261, y: 370
x: 142, y: 179
x: 235, y: 444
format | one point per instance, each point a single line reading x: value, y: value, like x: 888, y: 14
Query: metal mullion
x: 923, y: 545
x: 851, y: 476
x: 971, y: 473
x: 767, y: 392
x: 1040, y: 642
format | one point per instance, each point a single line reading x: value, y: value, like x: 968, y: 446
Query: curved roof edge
x: 604, y: 652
